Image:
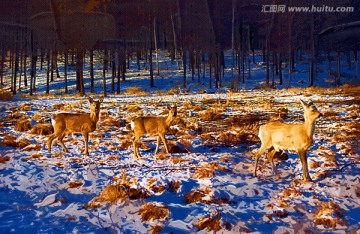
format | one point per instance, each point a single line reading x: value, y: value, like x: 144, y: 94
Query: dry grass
x: 32, y: 147
x: 37, y: 116
x: 211, y: 223
x: 75, y: 184
x: 4, y: 159
x: 189, y: 105
x: 177, y: 160
x: 43, y: 129
x: 173, y: 91
x: 22, y: 125
x: 25, y: 107
x: 34, y: 156
x: 174, y: 186
x: 329, y: 214
x: 156, y: 229
x: 11, y: 141
x: 153, y: 211
x: 207, y: 170
x: 210, y: 114
x: 5, y: 95
x: 124, y: 189
x: 291, y: 192
x: 200, y: 195
x: 135, y: 91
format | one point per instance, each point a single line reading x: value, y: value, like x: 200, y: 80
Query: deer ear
x: 303, y: 104
x: 169, y: 106
x: 90, y: 99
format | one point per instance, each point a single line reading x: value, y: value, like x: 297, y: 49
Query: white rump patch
x: 132, y: 125
x: 53, y: 122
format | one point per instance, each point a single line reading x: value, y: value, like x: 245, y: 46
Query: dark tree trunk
x: 119, y: 71
x: 113, y: 71
x: 104, y: 71
x: 2, y: 67
x: 65, y: 71
x: 20, y: 71
x: 338, y: 69
x: 25, y: 72
x: 184, y: 68
x: 16, y: 69
x: 47, y: 73
x: 192, y: 64
x: 210, y: 72
x: 151, y: 66
x: 52, y: 66
x: 267, y: 74
x: 79, y: 72
x: 92, y: 87
x: 41, y: 60
x: 280, y: 70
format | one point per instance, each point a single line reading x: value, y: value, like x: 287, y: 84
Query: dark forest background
x: 43, y: 32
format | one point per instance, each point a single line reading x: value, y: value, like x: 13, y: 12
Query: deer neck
x: 94, y: 117
x: 168, y: 120
x: 309, y: 126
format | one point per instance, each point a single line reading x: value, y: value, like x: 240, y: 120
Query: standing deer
x: 66, y: 123
x: 278, y: 135
x: 152, y: 126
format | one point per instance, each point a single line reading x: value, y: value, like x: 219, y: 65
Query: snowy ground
x: 207, y: 182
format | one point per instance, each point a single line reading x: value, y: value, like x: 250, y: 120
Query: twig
x: 340, y: 169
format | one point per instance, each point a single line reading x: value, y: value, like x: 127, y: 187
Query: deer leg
x: 157, y: 144
x: 136, y: 147
x: 303, y: 159
x: 164, y: 140
x: 61, y: 136
x: 257, y: 157
x: 50, y: 140
x: 270, y: 157
x: 86, y: 141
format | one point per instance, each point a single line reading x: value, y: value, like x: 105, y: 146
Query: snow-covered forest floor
x: 207, y: 182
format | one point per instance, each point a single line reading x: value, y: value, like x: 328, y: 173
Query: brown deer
x: 66, y: 123
x: 154, y: 126
x: 278, y: 135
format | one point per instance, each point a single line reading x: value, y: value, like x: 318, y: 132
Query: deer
x: 67, y: 123
x: 153, y: 126
x: 276, y: 136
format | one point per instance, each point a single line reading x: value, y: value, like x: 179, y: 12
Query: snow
x: 35, y: 196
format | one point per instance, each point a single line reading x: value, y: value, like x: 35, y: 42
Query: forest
x: 84, y: 83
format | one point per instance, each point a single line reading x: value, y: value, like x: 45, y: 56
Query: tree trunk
x: 20, y: 71
x: 267, y: 74
x: 280, y: 69
x: 113, y: 71
x: 151, y: 65
x: 210, y: 72
x: 104, y: 71
x: 25, y: 73
x: 233, y: 39
x: 192, y: 64
x: 80, y: 72
x: 356, y: 64
x: 184, y: 67
x: 92, y: 87
x: 119, y: 71
x: 65, y: 71
x: 312, y: 41
x: 2, y: 67
x: 47, y: 73
x: 156, y: 38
